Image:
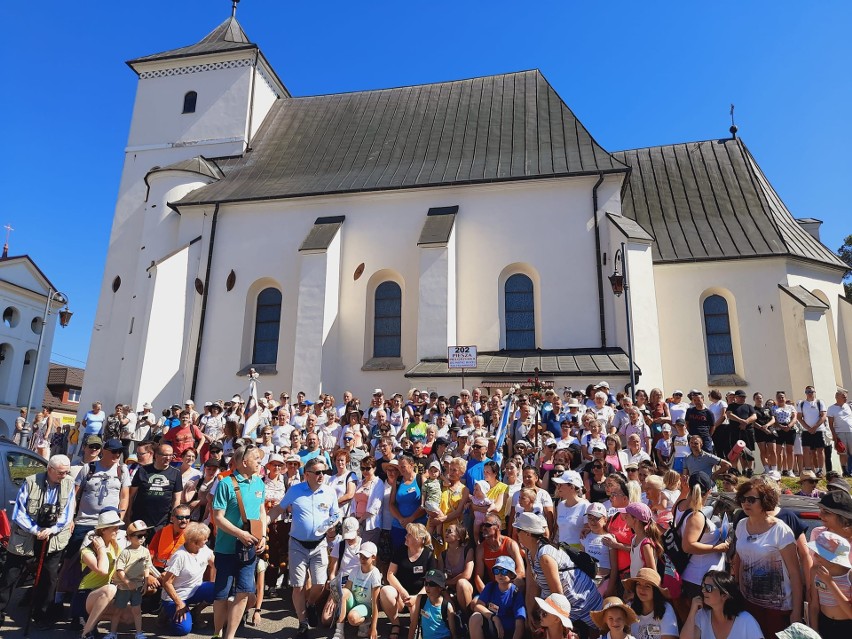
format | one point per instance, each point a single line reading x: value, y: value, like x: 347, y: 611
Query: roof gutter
x: 204, y: 295
x: 598, y: 259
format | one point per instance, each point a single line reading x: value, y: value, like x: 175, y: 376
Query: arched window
x: 387, y: 320
x: 520, y: 313
x: 266, y: 327
x: 189, y: 101
x: 717, y: 326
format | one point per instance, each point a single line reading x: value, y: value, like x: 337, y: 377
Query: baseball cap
x: 667, y: 428
x: 146, y: 405
x: 837, y: 502
x: 215, y: 447
x: 350, y: 528
x: 701, y: 479
x: 463, y: 433
x: 113, y: 445
x: 95, y: 439
x: 368, y: 549
x: 597, y: 445
x: 740, y: 393
x: 435, y: 464
x: 569, y: 477
x: 677, y: 392
x: 441, y: 441
x: 436, y: 577
x: 378, y: 391
x: 506, y: 562
x: 639, y: 510
x: 596, y: 509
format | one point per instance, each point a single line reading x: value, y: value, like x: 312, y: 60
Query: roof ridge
x: 674, y: 144
x: 414, y: 86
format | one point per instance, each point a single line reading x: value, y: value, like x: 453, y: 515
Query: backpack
x: 582, y: 560
x: 673, y: 541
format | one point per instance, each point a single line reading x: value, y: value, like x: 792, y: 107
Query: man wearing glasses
x: 155, y: 490
x: 168, y: 539
x: 813, y: 415
x: 314, y: 510
x: 101, y: 483
x: 44, y: 510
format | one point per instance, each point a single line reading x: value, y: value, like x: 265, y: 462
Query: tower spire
x: 234, y: 4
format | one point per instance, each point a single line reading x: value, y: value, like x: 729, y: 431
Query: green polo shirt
x: 253, y: 491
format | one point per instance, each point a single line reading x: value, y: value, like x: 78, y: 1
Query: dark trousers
x: 42, y: 597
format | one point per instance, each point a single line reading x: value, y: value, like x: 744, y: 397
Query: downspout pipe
x: 204, y: 295
x: 599, y: 260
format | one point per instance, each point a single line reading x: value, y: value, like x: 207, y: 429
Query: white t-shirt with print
x: 188, y: 570
x: 650, y: 628
x: 363, y: 584
x: 764, y: 579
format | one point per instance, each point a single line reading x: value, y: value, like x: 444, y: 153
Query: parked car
x: 18, y: 463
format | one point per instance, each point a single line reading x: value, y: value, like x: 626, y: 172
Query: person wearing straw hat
x: 555, y: 614
x: 99, y: 555
x: 808, y: 485
x: 657, y: 618
x: 615, y: 619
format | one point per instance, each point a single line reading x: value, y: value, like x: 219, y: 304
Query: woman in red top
x: 619, y: 529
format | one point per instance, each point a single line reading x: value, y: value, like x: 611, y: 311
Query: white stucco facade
x: 177, y: 310
x: 23, y: 295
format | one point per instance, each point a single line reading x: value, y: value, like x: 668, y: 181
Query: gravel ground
x: 278, y: 619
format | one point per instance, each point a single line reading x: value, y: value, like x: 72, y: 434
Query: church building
x: 344, y: 241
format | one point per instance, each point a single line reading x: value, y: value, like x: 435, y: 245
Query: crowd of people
x: 580, y: 514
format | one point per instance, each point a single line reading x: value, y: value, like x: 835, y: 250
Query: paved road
x: 278, y: 620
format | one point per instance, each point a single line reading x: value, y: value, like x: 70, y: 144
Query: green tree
x: 845, y: 253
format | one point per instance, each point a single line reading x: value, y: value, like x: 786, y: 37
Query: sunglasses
x: 366, y: 468
x: 319, y: 472
x: 501, y: 571
x: 749, y: 499
x: 181, y: 517
x: 94, y: 446
x: 477, y: 446
x: 597, y: 467
x: 709, y: 587
x: 485, y: 524
x: 139, y: 536
x: 557, y: 473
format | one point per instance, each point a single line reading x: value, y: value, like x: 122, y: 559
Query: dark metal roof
x: 70, y: 376
x: 630, y: 228
x: 438, y: 225
x: 710, y: 200
x: 590, y: 362
x: 502, y: 127
x: 804, y: 297
x: 228, y: 36
x: 322, y: 233
x: 199, y: 164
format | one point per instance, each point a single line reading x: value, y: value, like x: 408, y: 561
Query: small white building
x: 345, y: 241
x: 24, y: 291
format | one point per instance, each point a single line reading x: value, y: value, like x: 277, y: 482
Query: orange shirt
x: 163, y: 545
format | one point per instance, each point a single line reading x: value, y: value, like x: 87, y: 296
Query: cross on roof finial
x: 9, y: 230
x: 234, y: 4
x: 733, y: 128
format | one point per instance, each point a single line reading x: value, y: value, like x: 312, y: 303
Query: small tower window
x: 189, y: 101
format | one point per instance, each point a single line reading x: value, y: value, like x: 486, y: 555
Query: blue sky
x: 636, y: 74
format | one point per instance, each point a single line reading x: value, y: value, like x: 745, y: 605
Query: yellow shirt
x: 92, y: 580
x: 500, y: 489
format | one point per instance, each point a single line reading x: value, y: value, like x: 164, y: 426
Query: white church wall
x: 264, y: 98
x: 221, y: 112
x: 844, y: 339
x: 757, y: 327
x: 497, y: 225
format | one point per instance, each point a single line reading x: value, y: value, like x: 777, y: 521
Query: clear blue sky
x: 636, y: 74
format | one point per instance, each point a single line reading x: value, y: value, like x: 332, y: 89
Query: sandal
x: 394, y: 633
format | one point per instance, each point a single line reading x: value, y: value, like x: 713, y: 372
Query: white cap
x: 350, y: 528
x: 146, y: 405
x: 569, y: 477
x: 463, y: 433
x: 377, y: 391
x: 368, y: 549
x: 603, y: 384
x: 189, y: 401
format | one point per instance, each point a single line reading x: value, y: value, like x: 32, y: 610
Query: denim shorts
x: 232, y: 576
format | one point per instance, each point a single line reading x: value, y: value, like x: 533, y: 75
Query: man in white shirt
x: 840, y: 422
x: 622, y: 418
x: 341, y: 408
x: 812, y: 416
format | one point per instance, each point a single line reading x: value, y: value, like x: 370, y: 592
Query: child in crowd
x: 681, y: 445
x: 664, y: 448
x: 479, y: 498
x: 131, y: 572
x: 499, y: 610
x: 593, y: 544
x: 432, y: 487
x: 830, y: 606
x: 614, y: 619
x: 361, y: 595
x: 433, y: 610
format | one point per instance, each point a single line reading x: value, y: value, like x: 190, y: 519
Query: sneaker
x: 110, y: 635
x: 338, y: 633
x: 140, y: 635
x: 364, y: 629
x: 301, y: 632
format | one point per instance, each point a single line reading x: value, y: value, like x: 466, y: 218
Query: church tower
x: 193, y: 105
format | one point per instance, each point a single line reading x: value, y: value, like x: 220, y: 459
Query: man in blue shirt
x: 553, y: 418
x: 235, y: 566
x: 93, y: 423
x: 312, y: 449
x: 314, y: 508
x: 474, y: 462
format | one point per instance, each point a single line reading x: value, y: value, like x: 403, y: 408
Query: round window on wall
x: 35, y: 325
x: 11, y: 316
